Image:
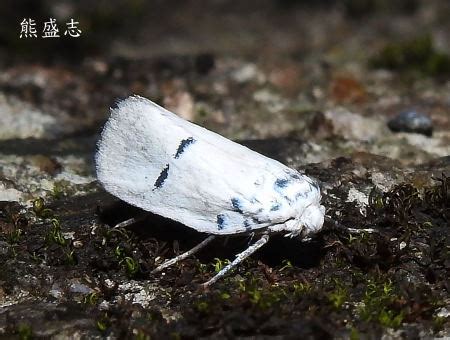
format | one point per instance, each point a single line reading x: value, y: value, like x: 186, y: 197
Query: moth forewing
x: 151, y: 158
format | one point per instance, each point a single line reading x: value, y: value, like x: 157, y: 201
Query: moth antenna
x: 181, y: 257
x: 250, y: 239
x: 239, y: 258
x: 338, y: 225
x: 128, y: 222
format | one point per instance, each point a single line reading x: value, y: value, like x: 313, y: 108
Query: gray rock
x: 77, y: 287
x: 412, y: 121
x: 19, y: 119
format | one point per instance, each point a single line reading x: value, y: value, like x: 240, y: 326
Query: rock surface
x: 379, y: 268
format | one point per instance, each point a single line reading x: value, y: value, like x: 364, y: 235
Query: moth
x: 153, y: 159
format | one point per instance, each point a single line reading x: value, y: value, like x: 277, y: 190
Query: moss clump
x: 24, y: 332
x: 378, y: 305
x: 55, y: 235
x: 417, y: 55
x: 40, y: 209
x: 103, y: 324
x: 14, y: 236
x: 131, y: 266
x: 338, y: 296
x: 60, y: 189
x: 220, y: 264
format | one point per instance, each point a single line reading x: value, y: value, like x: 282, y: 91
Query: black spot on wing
x: 295, y: 176
x: 237, y: 204
x: 254, y: 200
x: 281, y: 183
x: 162, y: 177
x: 301, y: 194
x: 247, y: 225
x: 280, y: 186
x: 221, y: 221
x: 256, y: 220
x: 276, y: 206
x: 183, y: 145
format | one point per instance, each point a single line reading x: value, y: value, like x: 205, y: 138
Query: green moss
x: 55, y: 235
x: 36, y: 257
x: 102, y: 325
x: 60, y: 189
x: 119, y: 252
x: 131, y: 266
x: 338, y: 297
x: 354, y: 334
x: 376, y: 198
x: 438, y: 323
x: 390, y: 319
x: 286, y: 265
x: 202, y: 112
x: 40, y: 209
x: 202, y: 268
x: 202, y: 306
x: 140, y: 335
x: 25, y: 332
x: 260, y: 295
x: 175, y: 336
x: 265, y: 299
x: 71, y: 258
x: 377, y: 305
x: 103, y: 322
x: 91, y: 299
x: 220, y: 264
x: 417, y: 55
x: 14, y: 236
x: 301, y: 289
x: 225, y: 296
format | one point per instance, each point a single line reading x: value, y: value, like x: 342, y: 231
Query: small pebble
x: 77, y: 287
x: 402, y: 245
x: 412, y: 121
x: 77, y: 244
x: 4, y: 248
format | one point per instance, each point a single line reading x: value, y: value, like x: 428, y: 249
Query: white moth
x: 155, y: 160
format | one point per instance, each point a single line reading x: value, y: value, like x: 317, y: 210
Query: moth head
x: 309, y: 222
x: 312, y: 219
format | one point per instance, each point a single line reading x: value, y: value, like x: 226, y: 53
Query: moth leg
x: 338, y: 225
x: 239, y: 258
x: 361, y: 231
x: 128, y: 222
x: 184, y: 255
